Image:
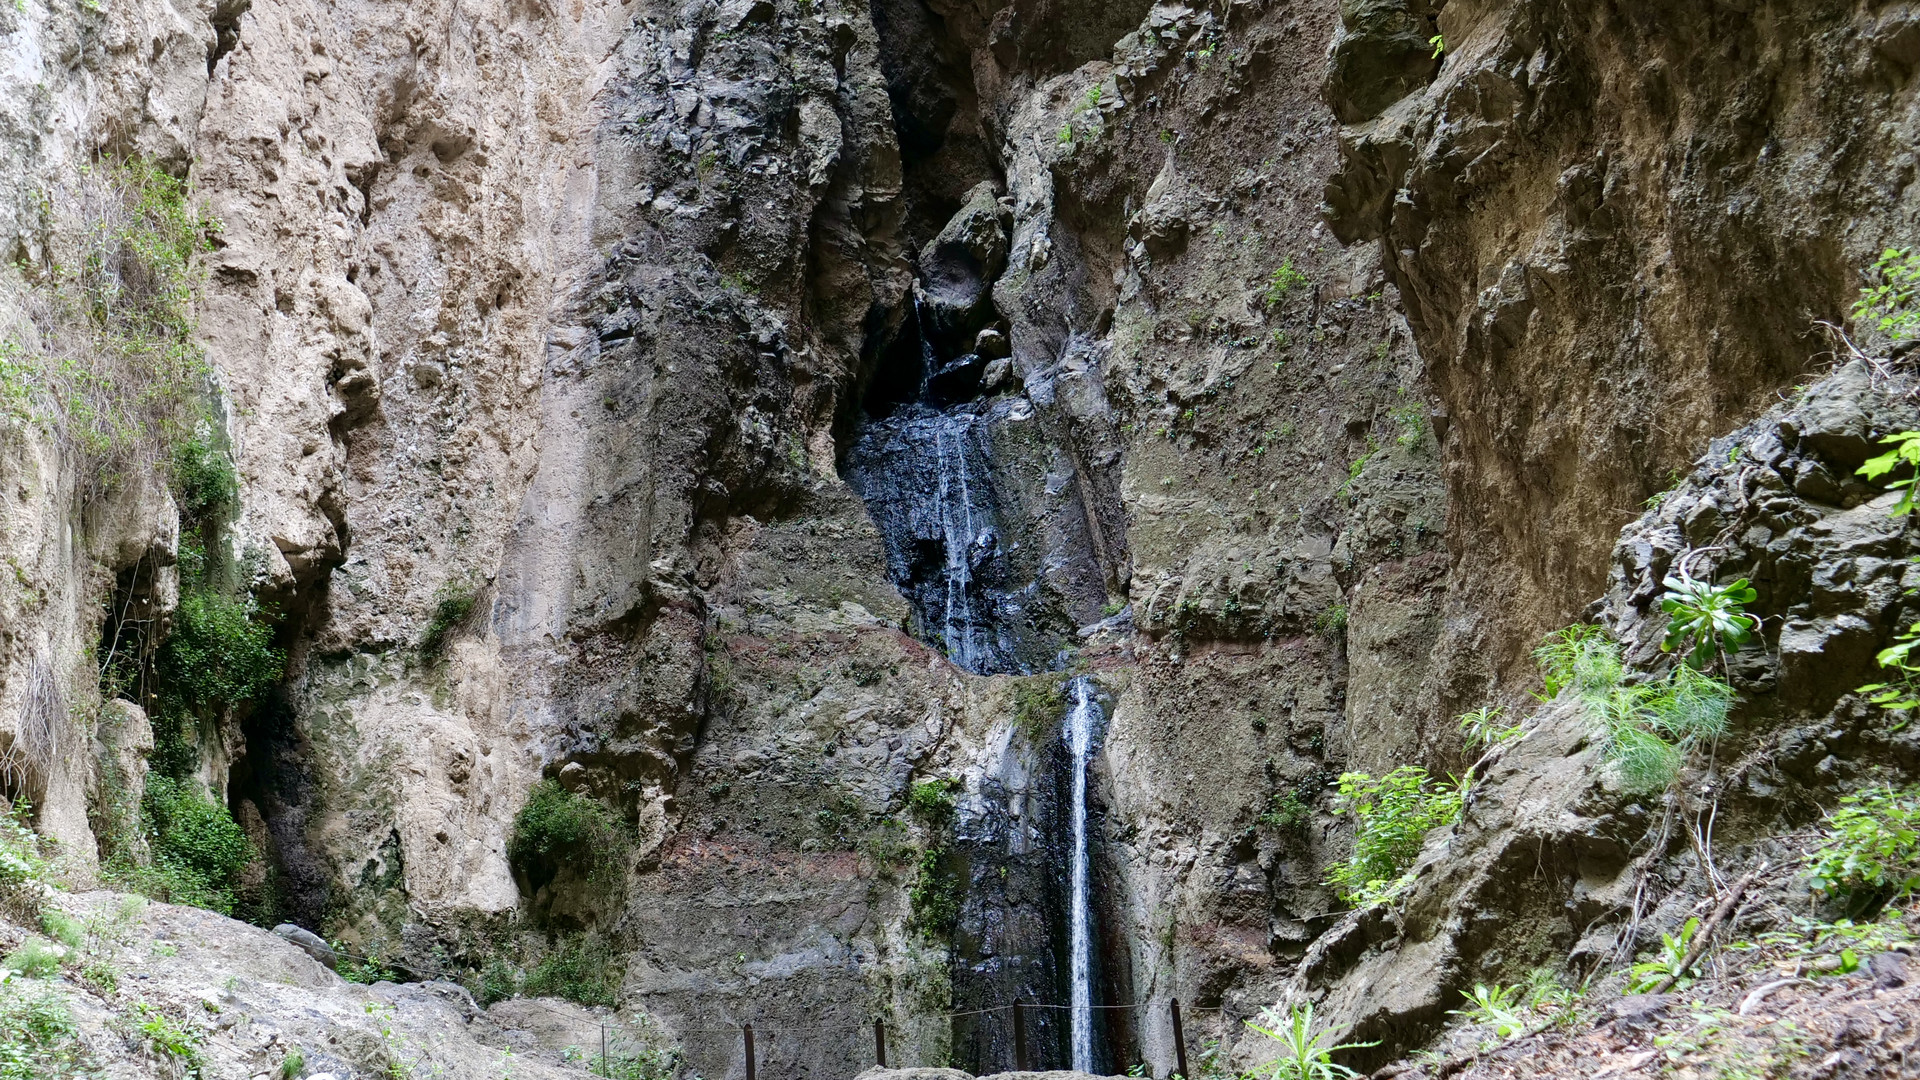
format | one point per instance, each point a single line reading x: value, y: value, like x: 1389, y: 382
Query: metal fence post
x: 1179, y: 1042
x: 747, y: 1031
x: 879, y: 1043
x: 1019, y: 1035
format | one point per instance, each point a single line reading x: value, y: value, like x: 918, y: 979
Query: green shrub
x: 1393, y: 815
x: 198, y: 850
x: 629, y: 1059
x: 1903, y: 453
x: 116, y: 370
x: 1901, y: 692
x: 204, y: 481
x: 63, y: 928
x: 451, y: 608
x: 1869, y: 853
x: 23, y: 866
x: 1287, y: 810
x: 38, y: 1038
x: 218, y: 653
x: 582, y: 971
x: 933, y: 801
x: 1670, y: 962
x: 558, y: 827
x: 933, y: 901
x: 36, y: 958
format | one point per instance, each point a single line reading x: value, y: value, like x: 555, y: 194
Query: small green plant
x: 366, y: 970
x: 932, y: 801
x: 1484, y: 728
x: 1287, y: 810
x: 170, y: 1040
x: 1065, y: 137
x: 1282, y: 283
x: 1890, y: 304
x: 1706, y: 621
x: 1439, y: 43
x: 1669, y: 963
x: 219, y: 654
x: 630, y: 1059
x: 1305, y: 1053
x: 1869, y: 852
x: 1901, y: 692
x: 38, y: 1038
x: 1903, y: 452
x: 1393, y: 815
x: 1494, y: 1006
x: 293, y: 1066
x: 1412, y: 421
x: 1333, y: 621
x: 452, y: 606
x: 36, y: 958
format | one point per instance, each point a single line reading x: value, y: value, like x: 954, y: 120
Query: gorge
x: 611, y: 522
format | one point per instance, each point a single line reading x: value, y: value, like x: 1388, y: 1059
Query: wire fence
x: 612, y: 1030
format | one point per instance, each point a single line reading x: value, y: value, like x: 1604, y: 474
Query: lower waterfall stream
x: 1080, y: 723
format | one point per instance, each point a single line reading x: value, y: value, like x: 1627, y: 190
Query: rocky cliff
x: 666, y: 460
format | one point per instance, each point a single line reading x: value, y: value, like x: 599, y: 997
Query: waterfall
x: 1080, y: 722
x: 955, y: 499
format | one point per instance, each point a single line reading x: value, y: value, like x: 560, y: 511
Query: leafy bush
x: 23, y: 866
x: 1869, y: 852
x: 933, y: 801
x: 451, y: 608
x: 1704, y: 620
x: 583, y: 971
x: 558, y: 827
x: 1901, y: 692
x: 1889, y: 305
x: 204, y: 481
x: 218, y: 654
x: 198, y: 849
x: 1305, y: 1054
x: 1287, y: 810
x: 38, y: 1038
x: 1903, y: 452
x: 933, y: 901
x: 1394, y: 813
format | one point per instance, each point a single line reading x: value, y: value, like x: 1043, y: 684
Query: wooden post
x: 606, y: 1063
x: 879, y: 1043
x: 1179, y: 1042
x: 1019, y: 1035
x: 747, y: 1031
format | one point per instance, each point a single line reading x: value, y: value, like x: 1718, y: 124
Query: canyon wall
x: 1316, y: 355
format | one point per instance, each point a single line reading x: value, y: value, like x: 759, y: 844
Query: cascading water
x: 966, y: 488
x: 1081, y: 720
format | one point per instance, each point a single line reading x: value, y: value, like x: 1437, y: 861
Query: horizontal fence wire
x: 735, y: 1029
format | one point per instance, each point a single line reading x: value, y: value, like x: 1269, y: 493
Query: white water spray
x: 1080, y: 721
